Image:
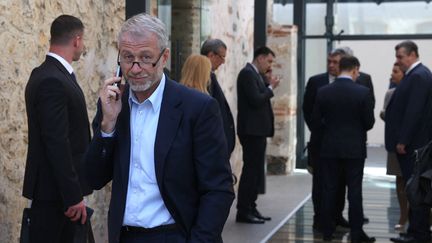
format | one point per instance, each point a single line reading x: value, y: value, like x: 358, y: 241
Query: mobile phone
x: 118, y: 75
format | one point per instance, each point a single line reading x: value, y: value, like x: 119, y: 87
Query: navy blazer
x: 255, y: 114
x: 408, y: 115
x: 343, y: 112
x: 59, y: 134
x: 227, y: 118
x: 191, y: 162
x: 316, y: 82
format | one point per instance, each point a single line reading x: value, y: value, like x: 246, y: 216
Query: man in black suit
x: 58, y: 131
x: 162, y: 145
x: 215, y: 50
x: 313, y: 85
x: 408, y: 127
x: 255, y: 122
x: 343, y: 113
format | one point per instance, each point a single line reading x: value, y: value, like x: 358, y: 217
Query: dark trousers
x: 252, y: 173
x: 318, y: 188
x: 155, y: 237
x: 333, y: 169
x: 419, y: 224
x: 48, y: 224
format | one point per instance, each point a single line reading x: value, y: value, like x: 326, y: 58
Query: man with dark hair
x: 408, y: 127
x: 59, y: 134
x: 215, y: 50
x: 343, y: 113
x: 254, y: 124
x: 314, y: 83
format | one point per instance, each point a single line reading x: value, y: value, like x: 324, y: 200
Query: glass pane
x: 315, y: 18
x: 283, y: 13
x: 315, y: 63
x: 205, y: 20
x: 410, y: 17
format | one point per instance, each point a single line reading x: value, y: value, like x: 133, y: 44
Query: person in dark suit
x: 408, y: 127
x: 58, y: 131
x: 162, y: 146
x: 343, y: 113
x: 215, y: 50
x: 313, y: 85
x: 255, y: 122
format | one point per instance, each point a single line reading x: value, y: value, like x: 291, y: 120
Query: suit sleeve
x: 52, y: 107
x: 368, y: 112
x: 248, y: 84
x: 415, y: 107
x: 99, y: 158
x: 214, y: 178
x: 308, y: 102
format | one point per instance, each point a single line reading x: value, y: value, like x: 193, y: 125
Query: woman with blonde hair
x: 196, y: 73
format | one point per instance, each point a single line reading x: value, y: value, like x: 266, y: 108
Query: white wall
x: 377, y: 58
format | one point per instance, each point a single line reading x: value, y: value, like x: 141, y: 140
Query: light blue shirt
x: 144, y: 204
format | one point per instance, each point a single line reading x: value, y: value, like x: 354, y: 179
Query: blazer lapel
x: 169, y: 121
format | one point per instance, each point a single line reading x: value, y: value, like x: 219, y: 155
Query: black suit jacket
x: 227, y: 117
x: 408, y: 115
x: 313, y: 85
x: 58, y: 130
x: 343, y: 112
x: 191, y: 162
x: 366, y: 80
x: 255, y: 114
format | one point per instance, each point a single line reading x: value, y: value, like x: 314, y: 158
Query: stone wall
x: 24, y: 34
x: 281, y: 149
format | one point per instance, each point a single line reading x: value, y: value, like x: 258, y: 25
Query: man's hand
x: 400, y: 148
x: 111, y: 103
x: 274, y: 81
x: 76, y: 212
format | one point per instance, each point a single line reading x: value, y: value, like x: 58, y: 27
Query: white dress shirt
x: 67, y: 65
x: 144, y: 204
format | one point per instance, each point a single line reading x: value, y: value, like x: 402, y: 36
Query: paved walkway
x: 288, y: 202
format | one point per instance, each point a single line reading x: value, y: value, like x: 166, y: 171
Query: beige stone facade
x: 24, y: 34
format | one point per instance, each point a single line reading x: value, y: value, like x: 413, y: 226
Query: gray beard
x: 141, y: 87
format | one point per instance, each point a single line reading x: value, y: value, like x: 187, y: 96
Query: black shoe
x: 404, y: 238
x: 327, y: 237
x: 342, y: 222
x: 365, y: 220
x: 248, y: 218
x: 362, y: 237
x: 257, y: 214
x: 317, y: 227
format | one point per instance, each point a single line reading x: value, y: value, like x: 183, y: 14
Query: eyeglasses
x: 129, y: 60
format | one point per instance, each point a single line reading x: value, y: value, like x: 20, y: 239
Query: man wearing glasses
x: 162, y: 145
x: 215, y: 50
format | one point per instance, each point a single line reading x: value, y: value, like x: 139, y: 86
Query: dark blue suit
x: 191, y: 162
x: 313, y: 85
x: 408, y: 121
x: 343, y: 113
x: 227, y: 118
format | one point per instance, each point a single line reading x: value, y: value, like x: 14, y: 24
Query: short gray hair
x: 342, y: 51
x: 212, y: 45
x: 144, y: 23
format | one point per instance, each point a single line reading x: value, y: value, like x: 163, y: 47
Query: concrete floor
x: 288, y: 198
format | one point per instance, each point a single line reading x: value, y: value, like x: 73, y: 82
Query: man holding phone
x: 162, y: 145
x: 58, y: 131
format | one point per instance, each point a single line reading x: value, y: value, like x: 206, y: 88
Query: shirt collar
x: 255, y: 68
x: 155, y: 98
x: 345, y: 76
x: 65, y: 64
x: 412, y: 67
